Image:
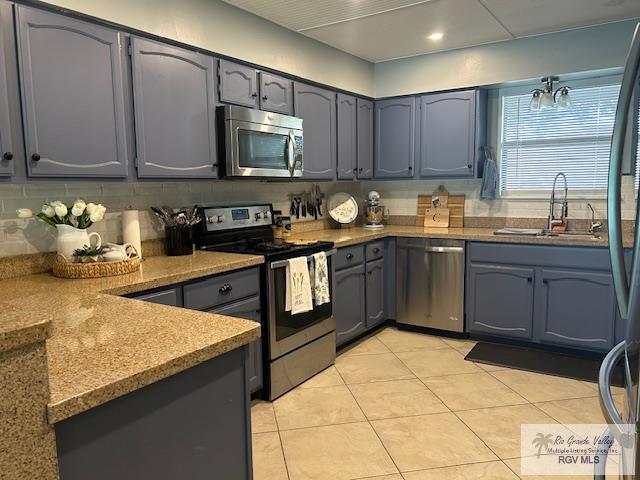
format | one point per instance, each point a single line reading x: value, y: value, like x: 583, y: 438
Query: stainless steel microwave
x: 260, y: 144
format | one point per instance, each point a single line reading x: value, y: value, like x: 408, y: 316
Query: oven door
x: 288, y: 332
x: 261, y: 150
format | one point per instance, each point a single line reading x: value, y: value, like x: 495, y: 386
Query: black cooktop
x: 270, y: 248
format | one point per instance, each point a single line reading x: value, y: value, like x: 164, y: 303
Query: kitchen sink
x: 539, y: 232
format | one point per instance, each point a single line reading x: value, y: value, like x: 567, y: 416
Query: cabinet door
x: 375, y: 292
x: 7, y: 154
x: 447, y: 134
x: 250, y: 309
x: 169, y: 296
x: 238, y: 84
x: 365, y: 138
x: 347, y: 118
x: 173, y: 94
x: 350, y: 303
x: 71, y: 75
x: 500, y: 300
x: 317, y: 108
x: 275, y: 94
x: 576, y: 308
x: 395, y: 121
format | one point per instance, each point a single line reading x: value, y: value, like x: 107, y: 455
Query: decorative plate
x: 343, y: 208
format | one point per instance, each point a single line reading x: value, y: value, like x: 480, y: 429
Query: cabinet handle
x: 545, y: 281
x: 469, y: 166
x: 349, y: 256
x: 254, y: 94
x: 410, y: 168
x: 8, y: 155
x: 35, y: 157
x: 226, y: 288
x: 529, y: 279
x: 370, y: 272
x: 360, y: 169
x: 355, y: 170
x: 215, y: 164
x: 264, y: 97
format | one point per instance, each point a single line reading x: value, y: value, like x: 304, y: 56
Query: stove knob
x: 221, y: 218
x: 258, y: 216
x: 212, y: 219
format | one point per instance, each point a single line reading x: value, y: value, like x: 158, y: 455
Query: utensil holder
x: 178, y: 240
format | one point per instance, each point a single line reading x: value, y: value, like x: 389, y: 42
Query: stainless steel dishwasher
x: 430, y: 283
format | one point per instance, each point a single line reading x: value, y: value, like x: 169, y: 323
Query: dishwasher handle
x: 444, y: 249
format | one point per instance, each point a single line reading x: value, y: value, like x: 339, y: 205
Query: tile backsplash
x: 20, y: 236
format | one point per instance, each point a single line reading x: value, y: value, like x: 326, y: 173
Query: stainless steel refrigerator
x: 626, y: 281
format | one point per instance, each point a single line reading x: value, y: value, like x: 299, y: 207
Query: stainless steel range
x: 295, y: 347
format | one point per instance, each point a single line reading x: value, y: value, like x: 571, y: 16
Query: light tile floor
x: 407, y: 406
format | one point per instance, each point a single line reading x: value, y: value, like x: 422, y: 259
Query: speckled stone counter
x: 102, y: 346
x: 351, y: 236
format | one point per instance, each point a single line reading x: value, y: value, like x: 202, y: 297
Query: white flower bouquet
x: 80, y: 215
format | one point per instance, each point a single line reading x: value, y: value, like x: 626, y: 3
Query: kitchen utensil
x: 164, y: 217
x: 343, y: 208
x: 374, y: 212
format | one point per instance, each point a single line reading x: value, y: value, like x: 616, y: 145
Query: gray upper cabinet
x: 576, y: 308
x: 365, y: 138
x: 395, y: 137
x: 500, y: 300
x: 174, y: 99
x: 317, y: 108
x: 347, y: 137
x: 73, y: 102
x: 275, y: 94
x: 7, y: 153
x: 238, y: 84
x: 451, y: 133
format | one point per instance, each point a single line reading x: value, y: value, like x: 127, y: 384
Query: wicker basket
x: 94, y: 270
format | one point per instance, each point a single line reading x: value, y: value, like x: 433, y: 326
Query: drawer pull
x: 226, y: 288
x: 376, y: 250
x: 349, y: 256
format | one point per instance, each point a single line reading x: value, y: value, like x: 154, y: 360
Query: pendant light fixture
x: 546, y: 97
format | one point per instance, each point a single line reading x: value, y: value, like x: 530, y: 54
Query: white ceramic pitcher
x: 71, y: 238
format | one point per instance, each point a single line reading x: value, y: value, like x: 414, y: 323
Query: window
x: 536, y: 145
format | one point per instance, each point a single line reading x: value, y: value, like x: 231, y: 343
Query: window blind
x: 537, y: 144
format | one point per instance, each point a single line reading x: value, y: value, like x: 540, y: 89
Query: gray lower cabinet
x: 543, y: 294
x: 375, y: 289
x: 576, y: 308
x: 238, y: 84
x: 195, y: 424
x: 395, y: 137
x: 168, y: 296
x: 317, y: 108
x: 174, y: 100
x: 275, y: 94
x: 347, y: 137
x: 350, y: 308
x: 500, y: 300
x: 248, y: 308
x: 451, y: 133
x: 73, y: 101
x: 7, y: 153
x: 365, y: 138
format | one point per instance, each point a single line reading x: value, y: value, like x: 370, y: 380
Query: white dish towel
x: 320, y: 279
x: 298, y: 286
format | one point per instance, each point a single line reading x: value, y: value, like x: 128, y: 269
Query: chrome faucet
x: 595, y: 226
x: 553, y: 221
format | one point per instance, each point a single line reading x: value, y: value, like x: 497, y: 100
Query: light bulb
x: 546, y: 100
x: 564, y: 100
x: 534, y: 104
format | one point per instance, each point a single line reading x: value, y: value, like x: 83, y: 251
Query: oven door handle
x: 283, y: 263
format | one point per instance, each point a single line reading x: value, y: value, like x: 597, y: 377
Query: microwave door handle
x: 291, y: 162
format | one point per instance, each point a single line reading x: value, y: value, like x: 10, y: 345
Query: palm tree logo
x: 542, y: 441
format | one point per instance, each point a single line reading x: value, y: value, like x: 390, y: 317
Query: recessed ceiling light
x: 435, y: 36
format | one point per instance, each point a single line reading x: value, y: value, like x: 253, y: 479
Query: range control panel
x: 226, y: 218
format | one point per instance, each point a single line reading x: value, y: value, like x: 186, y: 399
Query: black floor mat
x: 541, y: 361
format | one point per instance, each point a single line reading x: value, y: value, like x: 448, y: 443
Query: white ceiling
x: 378, y: 30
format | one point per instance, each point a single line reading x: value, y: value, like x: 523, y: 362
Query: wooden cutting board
x: 455, y: 204
x: 437, y: 217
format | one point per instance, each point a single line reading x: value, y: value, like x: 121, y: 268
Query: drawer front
x: 375, y: 250
x: 540, y: 255
x: 170, y: 296
x: 205, y: 294
x: 349, y: 256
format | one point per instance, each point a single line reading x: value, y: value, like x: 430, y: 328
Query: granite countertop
x: 351, y: 236
x: 101, y: 346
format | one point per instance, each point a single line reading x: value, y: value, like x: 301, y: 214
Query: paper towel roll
x: 131, y: 229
